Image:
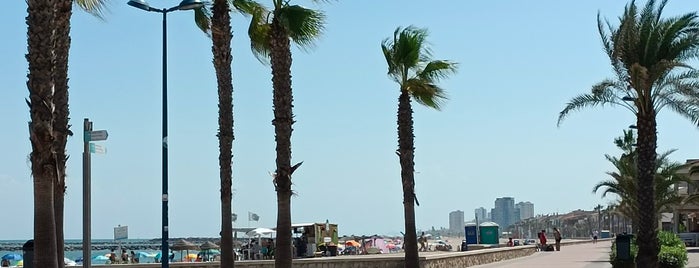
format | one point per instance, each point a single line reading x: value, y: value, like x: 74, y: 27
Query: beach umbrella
x: 208, y: 245
x: 12, y: 257
x: 352, y: 243
x: 259, y: 232
x: 181, y: 245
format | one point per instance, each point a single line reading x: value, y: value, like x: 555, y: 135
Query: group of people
x: 542, y: 240
x: 125, y: 257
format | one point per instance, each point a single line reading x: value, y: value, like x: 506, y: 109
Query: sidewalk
x: 575, y: 256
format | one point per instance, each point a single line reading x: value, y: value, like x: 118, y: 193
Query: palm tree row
x: 623, y: 184
x: 271, y: 33
x: 649, y: 55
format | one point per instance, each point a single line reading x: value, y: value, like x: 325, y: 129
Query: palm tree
x: 48, y: 39
x: 61, y: 128
x: 215, y: 20
x: 647, y: 52
x: 410, y: 65
x: 624, y: 185
x: 271, y: 35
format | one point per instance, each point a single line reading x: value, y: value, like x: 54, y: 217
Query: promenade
x: 586, y: 255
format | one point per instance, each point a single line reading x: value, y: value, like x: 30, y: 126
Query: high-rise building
x: 526, y: 210
x: 456, y: 221
x: 504, y: 212
x: 481, y: 214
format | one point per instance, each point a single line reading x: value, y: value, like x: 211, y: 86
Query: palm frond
x: 259, y: 33
x: 202, y: 18
x: 436, y: 70
x: 304, y: 25
x: 93, y: 7
x: 248, y: 7
x: 426, y: 93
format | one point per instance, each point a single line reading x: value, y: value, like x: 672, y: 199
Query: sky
x: 520, y: 62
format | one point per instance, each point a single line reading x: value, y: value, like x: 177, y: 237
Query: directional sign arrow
x: 97, y: 135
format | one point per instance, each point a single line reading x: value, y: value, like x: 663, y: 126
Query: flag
x: 253, y: 216
x: 234, y: 216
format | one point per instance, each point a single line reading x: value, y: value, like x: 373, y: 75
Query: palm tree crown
x: 410, y: 65
x: 644, y: 51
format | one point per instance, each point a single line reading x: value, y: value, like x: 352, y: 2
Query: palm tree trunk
x: 221, y: 35
x: 647, y: 240
x: 61, y: 127
x: 406, y: 152
x: 283, y: 120
x: 40, y: 61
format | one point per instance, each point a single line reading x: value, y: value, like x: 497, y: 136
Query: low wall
x: 437, y: 259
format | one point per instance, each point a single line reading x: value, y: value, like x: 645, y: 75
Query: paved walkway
x: 574, y: 256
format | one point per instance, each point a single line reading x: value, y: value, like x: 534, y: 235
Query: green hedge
x: 673, y: 253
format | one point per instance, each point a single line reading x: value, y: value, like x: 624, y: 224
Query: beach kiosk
x: 471, y: 231
x: 310, y: 236
x: 489, y: 233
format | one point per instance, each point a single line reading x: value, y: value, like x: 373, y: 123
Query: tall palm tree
x: 623, y: 182
x: 647, y: 53
x: 215, y: 20
x: 61, y: 128
x: 40, y: 61
x: 271, y: 35
x: 48, y: 38
x: 410, y: 64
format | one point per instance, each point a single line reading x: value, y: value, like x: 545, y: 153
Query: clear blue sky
x: 521, y: 61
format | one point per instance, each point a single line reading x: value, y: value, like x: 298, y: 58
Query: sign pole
x: 87, y: 242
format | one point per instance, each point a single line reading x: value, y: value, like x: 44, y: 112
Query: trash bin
x: 28, y: 254
x: 464, y: 245
x: 623, y: 247
x: 332, y: 250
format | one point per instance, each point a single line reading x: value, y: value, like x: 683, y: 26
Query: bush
x: 672, y: 257
x: 673, y: 253
x: 669, y: 239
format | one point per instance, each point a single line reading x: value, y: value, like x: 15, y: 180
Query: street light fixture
x: 184, y: 5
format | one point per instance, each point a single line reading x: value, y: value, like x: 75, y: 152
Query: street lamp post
x: 184, y: 5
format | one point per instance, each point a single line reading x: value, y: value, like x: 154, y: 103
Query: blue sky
x: 520, y: 62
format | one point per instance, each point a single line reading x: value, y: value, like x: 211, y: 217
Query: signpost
x: 121, y: 232
x: 88, y: 149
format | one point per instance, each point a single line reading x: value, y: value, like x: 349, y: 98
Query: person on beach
x: 542, y: 240
x: 557, y: 237
x: 5, y: 263
x: 112, y: 257
x: 124, y: 256
x: 134, y: 257
x: 594, y: 237
x: 422, y: 240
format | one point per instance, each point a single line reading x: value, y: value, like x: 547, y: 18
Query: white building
x: 526, y: 210
x: 456, y: 221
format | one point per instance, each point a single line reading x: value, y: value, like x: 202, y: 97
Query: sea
x: 100, y: 247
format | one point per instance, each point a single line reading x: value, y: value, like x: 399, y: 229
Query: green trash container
x: 623, y: 247
x: 28, y: 254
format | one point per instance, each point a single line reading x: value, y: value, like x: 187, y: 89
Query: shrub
x: 673, y: 253
x: 669, y: 239
x: 672, y: 257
